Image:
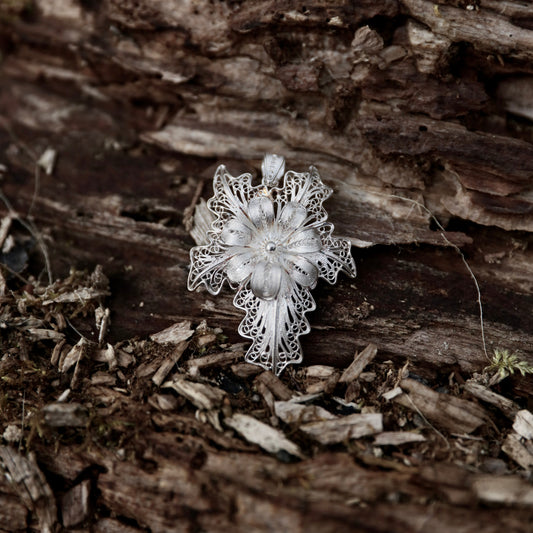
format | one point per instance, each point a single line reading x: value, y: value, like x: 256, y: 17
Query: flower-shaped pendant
x: 271, y: 242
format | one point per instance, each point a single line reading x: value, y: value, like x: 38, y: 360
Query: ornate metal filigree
x: 272, y: 243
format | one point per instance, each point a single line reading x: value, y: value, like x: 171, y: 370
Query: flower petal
x: 292, y: 216
x: 304, y: 241
x: 261, y: 211
x: 240, y: 266
x: 301, y: 270
x: 266, y: 280
x: 235, y: 233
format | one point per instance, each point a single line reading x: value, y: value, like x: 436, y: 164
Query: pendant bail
x: 273, y: 168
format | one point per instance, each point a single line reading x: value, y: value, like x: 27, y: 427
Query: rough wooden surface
x: 113, y: 117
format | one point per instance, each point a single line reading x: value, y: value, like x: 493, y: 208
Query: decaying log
x: 131, y: 412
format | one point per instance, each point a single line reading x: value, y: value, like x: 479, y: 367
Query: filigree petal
x: 240, y: 266
x: 235, y: 233
x: 301, y: 270
x: 261, y: 211
x: 292, y: 216
x: 266, y: 280
x: 334, y: 257
x: 304, y: 241
x: 231, y: 197
x: 207, y: 268
x: 307, y: 189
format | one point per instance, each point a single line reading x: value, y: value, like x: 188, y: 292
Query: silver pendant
x: 271, y: 242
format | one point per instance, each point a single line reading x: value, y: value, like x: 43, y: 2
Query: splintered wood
x: 202, y: 396
x: 397, y: 438
x: 175, y: 334
x: 359, y: 363
x: 75, y: 504
x: 519, y: 443
x: 443, y: 410
x: 506, y: 406
x: 269, y: 438
x: 30, y: 485
x: 62, y: 414
x: 325, y: 427
x: 344, y: 428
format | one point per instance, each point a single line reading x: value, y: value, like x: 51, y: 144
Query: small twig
x: 23, y: 413
x: 32, y: 230
x: 16, y: 274
x: 36, y: 187
x: 188, y: 212
x: 77, y: 332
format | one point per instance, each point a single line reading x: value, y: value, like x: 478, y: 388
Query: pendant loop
x: 273, y: 168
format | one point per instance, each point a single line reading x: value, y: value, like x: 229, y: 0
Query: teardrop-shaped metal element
x: 273, y: 168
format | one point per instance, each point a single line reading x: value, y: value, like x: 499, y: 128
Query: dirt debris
x: 187, y: 384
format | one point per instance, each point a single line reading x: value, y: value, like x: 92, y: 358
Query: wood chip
x: 164, y: 402
x: 42, y: 334
x: 124, y: 359
x: 443, y: 410
x: 326, y: 386
x: 270, y: 439
x: 341, y: 429
x: 75, y: 505
x: 506, y: 406
x: 267, y: 395
x: 47, y: 160
x: 246, y: 370
x: 199, y: 394
x: 179, y: 332
x: 359, y: 363
x: 111, y: 525
x: 73, y: 356
x: 202, y: 221
x: 61, y: 414
x: 205, y: 339
x: 216, y: 359
x: 397, y: 438
x: 56, y: 352
x: 5, y: 227
x: 168, y: 364
x: 320, y: 371
x: 393, y: 393
x: 30, y: 485
x: 292, y: 412
x: 510, y: 490
x: 517, y: 451
x: 523, y: 424
x: 80, y: 296
x: 278, y: 388
x: 103, y: 378
x: 102, y: 322
x: 106, y: 355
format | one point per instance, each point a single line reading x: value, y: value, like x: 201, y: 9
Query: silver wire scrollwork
x: 271, y: 242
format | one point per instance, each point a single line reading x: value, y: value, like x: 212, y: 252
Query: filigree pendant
x: 271, y: 242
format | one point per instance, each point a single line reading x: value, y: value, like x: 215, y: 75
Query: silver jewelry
x: 271, y: 243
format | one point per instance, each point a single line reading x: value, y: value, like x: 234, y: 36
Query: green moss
x: 504, y: 364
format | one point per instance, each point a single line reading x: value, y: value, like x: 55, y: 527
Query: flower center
x: 270, y: 246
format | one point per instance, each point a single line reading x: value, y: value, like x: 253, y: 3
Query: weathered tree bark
x: 409, y: 109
